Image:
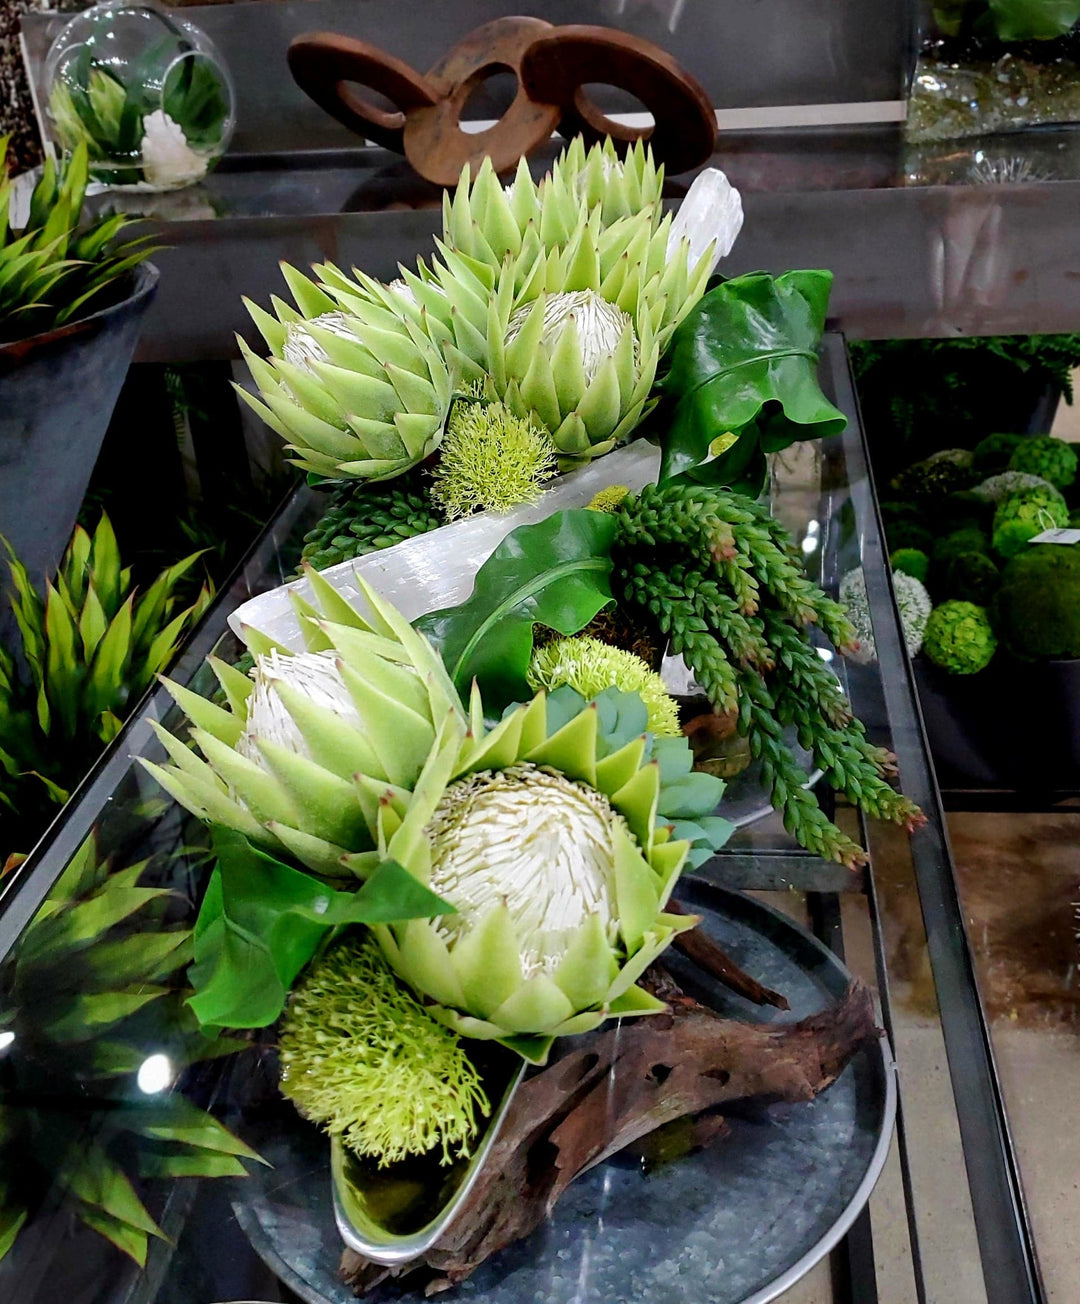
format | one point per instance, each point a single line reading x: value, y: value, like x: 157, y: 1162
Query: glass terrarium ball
x: 145, y: 90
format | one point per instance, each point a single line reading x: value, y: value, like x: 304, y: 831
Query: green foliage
x: 1024, y: 515
x: 1037, y: 611
x: 362, y: 1058
x: 905, y: 526
x: 590, y: 666
x: 991, y: 455
x: 959, y: 638
x: 911, y: 561
x: 1008, y: 20
x: 969, y: 540
x: 490, y: 460
x: 361, y: 518
x: 87, y: 652
x: 745, y: 361
x: 1043, y: 455
x: 916, y: 395
x: 53, y: 270
x: 261, y: 922
x: 95, y: 979
x: 723, y: 581
x: 555, y: 573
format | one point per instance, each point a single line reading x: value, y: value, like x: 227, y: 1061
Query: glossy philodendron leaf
x: 1034, y: 20
x: 744, y: 363
x: 261, y: 922
x: 556, y: 573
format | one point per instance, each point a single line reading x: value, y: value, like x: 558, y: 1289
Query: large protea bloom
x: 357, y: 395
x: 549, y: 850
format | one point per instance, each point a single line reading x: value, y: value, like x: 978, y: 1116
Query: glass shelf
x: 946, y: 1220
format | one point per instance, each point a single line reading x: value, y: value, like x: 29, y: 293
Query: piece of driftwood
x: 715, y: 961
x: 614, y: 1088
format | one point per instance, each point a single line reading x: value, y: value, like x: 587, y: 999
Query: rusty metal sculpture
x: 552, y: 64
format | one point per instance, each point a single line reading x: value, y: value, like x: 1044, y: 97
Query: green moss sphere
x: 959, y: 541
x: 930, y: 481
x: 970, y: 577
x: 959, y: 638
x: 1043, y: 455
x: 912, y: 561
x: 1024, y: 515
x: 1037, y: 610
x: 992, y: 453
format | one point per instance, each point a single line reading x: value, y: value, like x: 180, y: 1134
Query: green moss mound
x: 1037, y: 610
x: 992, y: 454
x: 911, y: 561
x: 929, y: 482
x: 959, y: 638
x: 970, y: 577
x: 1043, y: 455
x: 952, y: 545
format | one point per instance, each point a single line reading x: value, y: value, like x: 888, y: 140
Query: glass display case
x: 103, y: 1133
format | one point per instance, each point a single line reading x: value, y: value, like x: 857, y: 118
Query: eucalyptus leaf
x: 555, y: 573
x: 261, y: 921
x: 744, y: 362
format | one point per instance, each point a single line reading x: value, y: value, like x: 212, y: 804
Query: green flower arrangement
x: 1051, y: 459
x: 589, y: 666
x: 959, y: 638
x: 1023, y: 515
x: 362, y: 1058
x: 491, y: 460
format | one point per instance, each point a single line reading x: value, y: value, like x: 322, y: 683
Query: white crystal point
x: 711, y: 214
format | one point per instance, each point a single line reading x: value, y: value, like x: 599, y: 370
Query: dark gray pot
x: 57, y: 393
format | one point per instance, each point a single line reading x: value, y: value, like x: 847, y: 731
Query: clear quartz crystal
x: 302, y: 349
x: 711, y: 214
x: 534, y: 841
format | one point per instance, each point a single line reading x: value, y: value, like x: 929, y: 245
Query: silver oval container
x: 360, y: 1228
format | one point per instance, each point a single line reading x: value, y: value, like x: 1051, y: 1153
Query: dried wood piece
x: 615, y: 1087
x: 712, y: 959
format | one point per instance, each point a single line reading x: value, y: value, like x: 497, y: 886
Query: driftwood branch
x: 714, y: 960
x: 614, y: 1088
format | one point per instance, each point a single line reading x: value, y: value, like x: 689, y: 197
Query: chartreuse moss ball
x: 589, y: 666
x: 1037, y: 612
x: 361, y: 1058
x: 1045, y: 456
x: 959, y: 638
x: 1023, y: 515
x: 912, y: 561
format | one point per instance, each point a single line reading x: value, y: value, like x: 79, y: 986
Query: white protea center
x: 302, y: 349
x: 600, y: 326
x: 315, y: 674
x: 534, y: 841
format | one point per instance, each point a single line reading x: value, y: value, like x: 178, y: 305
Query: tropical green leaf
x: 744, y: 362
x: 90, y: 1013
x: 1034, y: 20
x: 130, y: 1240
x: 12, y: 1216
x: 94, y: 1177
x: 181, y: 1123
x: 555, y: 573
x: 261, y: 922
x: 189, y: 1163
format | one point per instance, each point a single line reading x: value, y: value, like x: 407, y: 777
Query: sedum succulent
x: 362, y: 518
x: 589, y: 666
x: 362, y: 395
x: 545, y: 842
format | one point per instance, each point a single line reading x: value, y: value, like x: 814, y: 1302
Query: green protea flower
x: 547, y: 845
x: 363, y: 395
x: 318, y: 750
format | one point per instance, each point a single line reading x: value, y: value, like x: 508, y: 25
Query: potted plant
x: 71, y: 301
